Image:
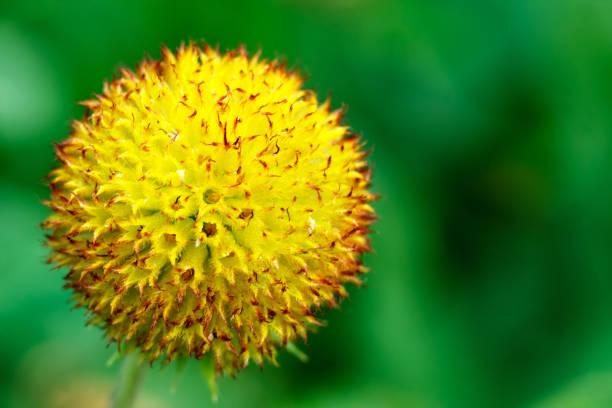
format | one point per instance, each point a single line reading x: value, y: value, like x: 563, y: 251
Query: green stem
x: 129, y: 379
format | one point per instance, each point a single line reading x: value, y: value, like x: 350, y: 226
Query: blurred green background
x: 491, y: 129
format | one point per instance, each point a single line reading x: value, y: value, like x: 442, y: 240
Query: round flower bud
x: 207, y: 205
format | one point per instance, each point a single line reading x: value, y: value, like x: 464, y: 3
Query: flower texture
x: 207, y: 205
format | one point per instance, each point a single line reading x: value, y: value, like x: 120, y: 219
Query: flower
x: 206, y: 204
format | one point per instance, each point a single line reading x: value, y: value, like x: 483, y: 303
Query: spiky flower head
x: 206, y: 204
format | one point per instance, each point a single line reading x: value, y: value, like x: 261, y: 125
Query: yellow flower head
x: 207, y: 204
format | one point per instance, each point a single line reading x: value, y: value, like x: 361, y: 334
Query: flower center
x: 211, y: 196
